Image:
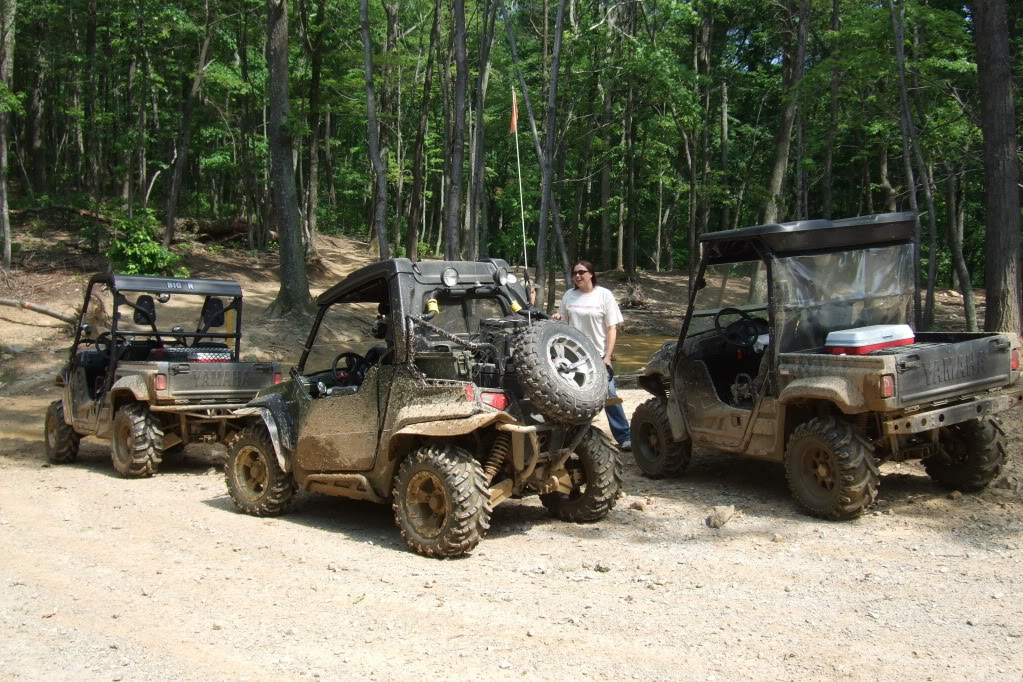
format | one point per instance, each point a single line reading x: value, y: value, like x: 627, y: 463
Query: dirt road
x: 160, y: 579
x: 103, y: 578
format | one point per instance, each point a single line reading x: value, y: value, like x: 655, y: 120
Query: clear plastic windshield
x: 827, y: 292
x: 731, y: 285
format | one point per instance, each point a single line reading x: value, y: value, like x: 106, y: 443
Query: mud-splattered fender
x: 273, y: 411
x: 453, y: 427
x: 657, y: 372
x: 135, y: 385
x: 842, y: 393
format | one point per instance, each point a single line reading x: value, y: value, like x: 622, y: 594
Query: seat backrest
x: 145, y: 310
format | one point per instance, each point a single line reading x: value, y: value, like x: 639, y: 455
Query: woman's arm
x: 612, y: 335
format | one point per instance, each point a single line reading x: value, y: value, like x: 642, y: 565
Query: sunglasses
x: 579, y: 273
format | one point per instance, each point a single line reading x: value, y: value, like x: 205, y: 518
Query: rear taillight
x: 161, y: 382
x: 470, y: 392
x: 278, y: 377
x: 887, y: 385
x: 498, y: 400
x: 1014, y: 362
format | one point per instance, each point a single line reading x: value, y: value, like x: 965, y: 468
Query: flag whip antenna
x: 518, y: 163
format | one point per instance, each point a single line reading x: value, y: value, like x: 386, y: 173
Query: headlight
x: 501, y: 276
x: 512, y: 279
x: 449, y: 277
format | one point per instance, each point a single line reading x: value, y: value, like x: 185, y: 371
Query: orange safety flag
x: 515, y: 113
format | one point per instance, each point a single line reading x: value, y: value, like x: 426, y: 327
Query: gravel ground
x: 160, y: 579
x: 103, y: 578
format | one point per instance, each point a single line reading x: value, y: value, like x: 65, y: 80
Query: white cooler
x: 866, y: 339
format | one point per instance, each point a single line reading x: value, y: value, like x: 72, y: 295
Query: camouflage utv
x: 459, y: 398
x: 797, y: 348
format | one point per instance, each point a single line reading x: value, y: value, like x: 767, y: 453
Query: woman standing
x: 593, y: 310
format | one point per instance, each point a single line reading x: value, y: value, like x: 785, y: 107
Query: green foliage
x: 125, y: 103
x: 136, y: 250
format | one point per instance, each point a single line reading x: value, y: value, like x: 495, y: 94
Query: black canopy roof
x: 170, y: 285
x: 808, y: 235
x: 364, y: 284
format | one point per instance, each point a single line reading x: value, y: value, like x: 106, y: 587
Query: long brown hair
x: 589, y: 268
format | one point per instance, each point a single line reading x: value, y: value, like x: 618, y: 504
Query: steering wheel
x: 742, y: 332
x: 351, y: 372
x: 103, y: 342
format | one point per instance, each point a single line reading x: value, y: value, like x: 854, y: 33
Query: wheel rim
x: 121, y: 440
x: 818, y: 472
x: 426, y: 503
x: 571, y: 363
x: 252, y: 472
x: 577, y: 473
x: 51, y: 432
x: 645, y: 443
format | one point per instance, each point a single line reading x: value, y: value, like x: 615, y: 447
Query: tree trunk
x: 797, y: 27
x: 953, y: 206
x: 829, y: 145
x: 905, y: 123
x: 418, y: 168
x: 8, y: 9
x: 293, y: 297
x: 726, y: 218
x: 605, y: 185
x: 544, y: 154
x: 380, y: 194
x: 1001, y: 170
x: 884, y: 182
x: 477, y: 188
x: 626, y: 236
x: 314, y: 52
x: 452, y: 244
x: 89, y: 128
x: 184, y: 139
x: 36, y: 112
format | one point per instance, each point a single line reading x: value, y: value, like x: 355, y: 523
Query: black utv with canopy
x: 456, y: 397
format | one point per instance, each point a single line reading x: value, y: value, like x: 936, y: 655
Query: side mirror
x: 701, y: 283
x: 87, y: 330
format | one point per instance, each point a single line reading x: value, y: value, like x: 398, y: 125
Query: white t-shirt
x: 591, y: 313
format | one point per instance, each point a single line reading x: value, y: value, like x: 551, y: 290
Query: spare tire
x: 560, y: 371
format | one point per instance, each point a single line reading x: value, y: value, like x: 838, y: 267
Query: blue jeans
x: 616, y: 417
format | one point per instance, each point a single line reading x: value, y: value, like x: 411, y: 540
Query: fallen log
x: 42, y: 310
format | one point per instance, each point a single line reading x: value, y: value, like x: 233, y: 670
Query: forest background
x: 640, y: 126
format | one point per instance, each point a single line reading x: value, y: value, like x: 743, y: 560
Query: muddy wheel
x: 255, y: 481
x: 657, y: 453
x: 61, y: 439
x: 137, y: 447
x: 831, y: 470
x: 560, y: 371
x: 595, y: 470
x: 974, y: 452
x: 441, y: 501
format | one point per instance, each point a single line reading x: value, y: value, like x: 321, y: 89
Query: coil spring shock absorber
x: 498, y: 452
x: 861, y: 423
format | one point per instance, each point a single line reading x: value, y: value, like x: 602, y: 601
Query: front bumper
x: 981, y: 406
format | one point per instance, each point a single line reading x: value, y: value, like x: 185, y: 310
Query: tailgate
x: 937, y: 368
x: 226, y: 381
